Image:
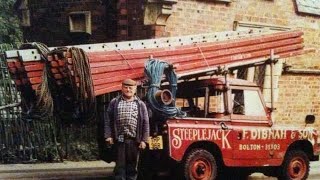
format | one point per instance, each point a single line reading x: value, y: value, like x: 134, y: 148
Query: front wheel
x: 296, y: 166
x: 200, y: 165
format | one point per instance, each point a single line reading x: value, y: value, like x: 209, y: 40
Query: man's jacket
x: 110, y: 129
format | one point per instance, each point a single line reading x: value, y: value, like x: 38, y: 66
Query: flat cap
x: 129, y: 82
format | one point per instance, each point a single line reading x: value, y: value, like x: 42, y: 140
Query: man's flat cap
x: 129, y: 82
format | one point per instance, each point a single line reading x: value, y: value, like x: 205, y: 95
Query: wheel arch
x: 303, y: 145
x: 210, y: 147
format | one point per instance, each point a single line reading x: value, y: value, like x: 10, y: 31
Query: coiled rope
x: 45, y: 102
x: 50, y: 99
x: 83, y: 87
x: 154, y: 70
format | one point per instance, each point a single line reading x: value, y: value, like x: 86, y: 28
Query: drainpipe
x: 272, y: 78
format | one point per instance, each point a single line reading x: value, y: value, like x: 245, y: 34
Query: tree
x: 10, y: 31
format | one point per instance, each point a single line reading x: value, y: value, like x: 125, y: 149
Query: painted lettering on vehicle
x: 266, y: 134
x: 258, y: 147
x: 308, y: 134
x: 262, y: 134
x: 205, y: 134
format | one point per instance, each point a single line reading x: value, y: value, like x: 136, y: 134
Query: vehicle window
x: 182, y: 103
x: 194, y: 107
x: 247, y: 102
x: 216, y: 104
x: 200, y: 103
x: 194, y: 103
x: 238, y: 102
x: 253, y: 104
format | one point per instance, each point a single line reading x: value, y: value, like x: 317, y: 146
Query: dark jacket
x: 110, y: 129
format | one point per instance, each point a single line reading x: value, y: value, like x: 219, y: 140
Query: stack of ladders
x: 110, y: 63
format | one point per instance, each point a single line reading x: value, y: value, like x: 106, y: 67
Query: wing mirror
x: 310, y: 119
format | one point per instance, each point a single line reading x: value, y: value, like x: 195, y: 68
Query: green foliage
x: 80, y: 151
x: 10, y: 31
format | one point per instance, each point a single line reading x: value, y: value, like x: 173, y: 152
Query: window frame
x: 249, y: 118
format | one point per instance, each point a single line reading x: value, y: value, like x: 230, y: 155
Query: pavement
x: 63, y: 170
x: 86, y: 170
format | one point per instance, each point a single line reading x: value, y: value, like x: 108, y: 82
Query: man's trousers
x: 127, y: 160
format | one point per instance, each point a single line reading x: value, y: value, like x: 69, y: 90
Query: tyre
x: 200, y: 165
x: 296, y: 166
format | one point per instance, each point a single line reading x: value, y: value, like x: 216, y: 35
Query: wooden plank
x: 35, y: 80
x: 105, y: 80
x: 34, y: 67
x: 34, y: 74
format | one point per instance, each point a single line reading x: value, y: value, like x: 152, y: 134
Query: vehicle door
x: 251, y: 125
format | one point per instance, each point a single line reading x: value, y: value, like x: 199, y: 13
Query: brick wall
x: 130, y: 21
x: 298, y: 94
x: 111, y: 20
x: 50, y: 23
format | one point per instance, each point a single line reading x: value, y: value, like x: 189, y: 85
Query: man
x: 127, y: 126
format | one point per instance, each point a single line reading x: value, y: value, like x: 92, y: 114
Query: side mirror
x: 310, y: 119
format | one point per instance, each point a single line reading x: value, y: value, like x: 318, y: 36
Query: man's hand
x: 142, y: 145
x: 109, y: 140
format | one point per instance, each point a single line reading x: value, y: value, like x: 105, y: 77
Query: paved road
x: 91, y: 171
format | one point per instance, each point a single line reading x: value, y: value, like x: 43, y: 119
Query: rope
x: 49, y: 97
x: 154, y: 70
x: 45, y: 102
x: 124, y: 59
x: 43, y: 111
x: 83, y: 89
x: 204, y: 58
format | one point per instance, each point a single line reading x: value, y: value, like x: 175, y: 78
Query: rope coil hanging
x: 154, y: 70
x: 50, y: 98
x: 44, y: 100
x: 82, y: 83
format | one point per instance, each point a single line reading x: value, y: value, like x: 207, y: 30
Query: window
x: 216, y: 103
x: 244, y: 25
x: 238, y: 102
x: 80, y: 22
x: 247, y: 102
x: 195, y: 103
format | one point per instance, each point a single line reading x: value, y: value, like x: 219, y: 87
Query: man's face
x: 128, y: 91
